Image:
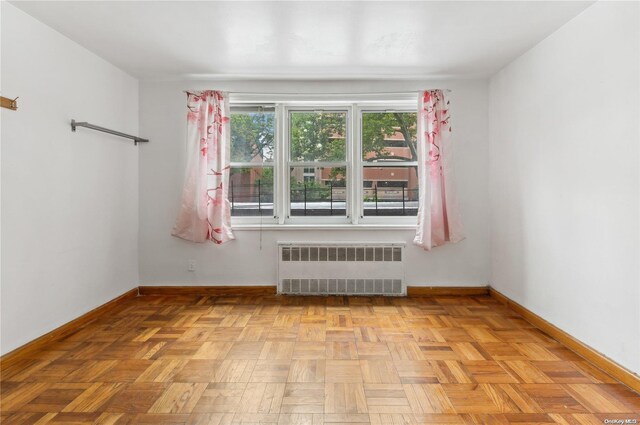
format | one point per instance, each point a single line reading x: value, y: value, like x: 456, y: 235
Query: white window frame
x: 261, y: 219
x: 288, y: 163
x: 359, y: 163
x: 354, y: 106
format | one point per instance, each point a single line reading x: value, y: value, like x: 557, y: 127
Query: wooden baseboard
x: 599, y: 360
x: 64, y: 330
x: 412, y: 291
x: 216, y: 291
x: 440, y: 291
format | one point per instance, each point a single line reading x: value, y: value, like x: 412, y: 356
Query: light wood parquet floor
x: 304, y: 360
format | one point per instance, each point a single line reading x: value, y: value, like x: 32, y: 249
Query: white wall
x: 69, y: 200
x: 163, y: 258
x: 564, y: 180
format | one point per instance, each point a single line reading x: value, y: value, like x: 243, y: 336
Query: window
x: 389, y: 163
x: 317, y: 163
x: 304, y: 163
x: 251, y: 190
x: 309, y: 174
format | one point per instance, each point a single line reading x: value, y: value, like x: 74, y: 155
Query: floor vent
x: 341, y: 268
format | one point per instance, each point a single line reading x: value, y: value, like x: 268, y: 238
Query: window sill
x: 377, y: 226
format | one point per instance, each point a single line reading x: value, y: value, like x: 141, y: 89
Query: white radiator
x: 323, y: 268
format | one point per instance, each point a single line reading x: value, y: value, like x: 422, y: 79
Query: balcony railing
x: 390, y: 201
x: 251, y: 199
x: 315, y: 201
x: 312, y: 200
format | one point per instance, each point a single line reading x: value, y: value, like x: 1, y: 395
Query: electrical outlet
x: 191, y: 265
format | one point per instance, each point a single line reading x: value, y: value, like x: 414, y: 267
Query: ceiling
x: 327, y: 40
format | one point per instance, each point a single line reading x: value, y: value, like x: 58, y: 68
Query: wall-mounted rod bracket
x: 135, y: 139
x: 12, y: 104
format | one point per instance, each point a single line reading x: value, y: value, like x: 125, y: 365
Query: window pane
x: 251, y: 191
x: 389, y: 136
x: 390, y: 191
x: 318, y: 136
x: 319, y: 191
x: 252, y: 134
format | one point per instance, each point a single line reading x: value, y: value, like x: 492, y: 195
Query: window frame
x: 354, y: 106
x: 361, y: 109
x: 288, y: 163
x: 261, y: 219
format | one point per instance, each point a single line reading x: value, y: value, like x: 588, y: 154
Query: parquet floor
x: 295, y: 360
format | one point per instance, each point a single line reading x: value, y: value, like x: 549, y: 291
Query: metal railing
x: 390, y: 201
x: 251, y: 199
x: 312, y: 200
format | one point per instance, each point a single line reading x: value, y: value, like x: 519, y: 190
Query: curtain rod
x: 405, y: 93
x: 85, y: 124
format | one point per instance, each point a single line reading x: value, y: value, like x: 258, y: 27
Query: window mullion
x: 389, y: 164
x: 318, y: 164
x: 283, y: 156
x: 251, y: 164
x: 356, y: 173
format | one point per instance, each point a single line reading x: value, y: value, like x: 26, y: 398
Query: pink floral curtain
x: 205, y: 213
x: 438, y: 216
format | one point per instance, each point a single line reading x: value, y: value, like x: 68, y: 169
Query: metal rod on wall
x: 135, y: 139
